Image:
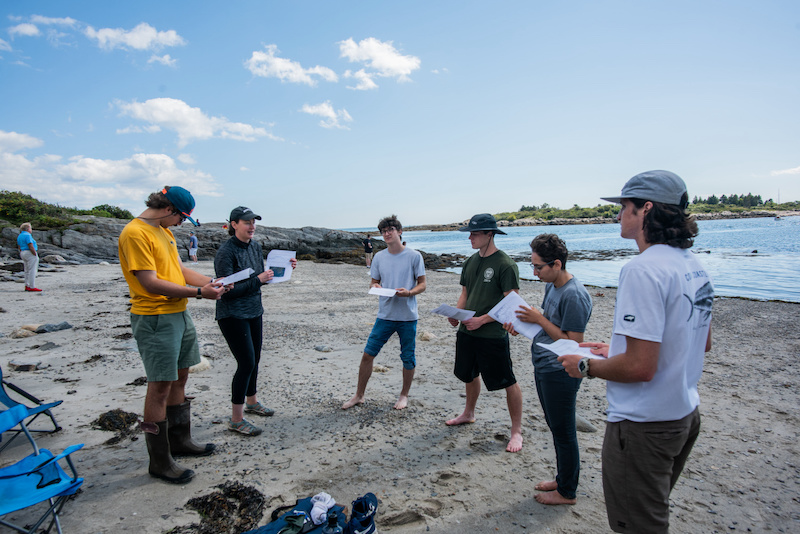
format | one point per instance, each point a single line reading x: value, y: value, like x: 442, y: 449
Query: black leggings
x: 244, y: 339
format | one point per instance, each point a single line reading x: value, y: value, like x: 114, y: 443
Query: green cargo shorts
x: 166, y: 343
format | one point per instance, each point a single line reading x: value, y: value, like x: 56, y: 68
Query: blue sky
x: 336, y: 114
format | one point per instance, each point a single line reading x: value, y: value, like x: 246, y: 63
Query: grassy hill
x: 17, y: 208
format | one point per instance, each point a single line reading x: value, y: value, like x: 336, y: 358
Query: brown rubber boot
x: 162, y: 465
x: 180, y: 432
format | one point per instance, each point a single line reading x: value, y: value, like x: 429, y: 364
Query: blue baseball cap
x: 182, y: 200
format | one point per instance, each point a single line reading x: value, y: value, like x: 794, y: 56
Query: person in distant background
x: 193, y: 247
x: 368, y: 250
x: 29, y: 252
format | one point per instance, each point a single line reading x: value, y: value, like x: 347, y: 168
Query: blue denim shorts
x: 406, y: 331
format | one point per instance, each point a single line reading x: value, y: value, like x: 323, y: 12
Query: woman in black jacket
x: 239, y: 315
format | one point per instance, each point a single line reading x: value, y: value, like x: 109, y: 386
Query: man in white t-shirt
x: 662, y: 328
x: 397, y: 267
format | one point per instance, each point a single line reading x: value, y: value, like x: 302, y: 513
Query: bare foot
x: 553, y: 497
x: 462, y: 419
x: 352, y: 402
x: 548, y: 485
x: 515, y: 443
x: 401, y: 403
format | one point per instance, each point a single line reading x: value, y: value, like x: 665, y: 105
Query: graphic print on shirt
x: 702, y: 302
x: 488, y: 274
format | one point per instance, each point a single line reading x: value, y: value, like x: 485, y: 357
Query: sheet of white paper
x: 506, y: 312
x: 244, y: 274
x: 382, y: 291
x: 456, y: 313
x: 569, y: 346
x: 279, y: 262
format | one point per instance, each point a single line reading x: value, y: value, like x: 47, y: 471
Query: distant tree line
x: 712, y: 204
x: 17, y: 208
x: 746, y: 201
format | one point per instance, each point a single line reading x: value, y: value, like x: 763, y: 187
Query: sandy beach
x: 743, y: 475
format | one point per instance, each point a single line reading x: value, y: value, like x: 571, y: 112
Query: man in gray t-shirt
x: 395, y: 268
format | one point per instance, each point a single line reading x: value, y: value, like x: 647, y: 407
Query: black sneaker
x: 362, y: 520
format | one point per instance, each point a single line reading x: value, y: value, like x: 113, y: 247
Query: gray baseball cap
x: 482, y: 222
x: 656, y: 186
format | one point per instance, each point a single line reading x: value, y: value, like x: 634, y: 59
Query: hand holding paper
x: 280, y: 263
x: 244, y: 274
x: 569, y: 346
x: 506, y: 312
x: 382, y: 291
x: 454, y: 313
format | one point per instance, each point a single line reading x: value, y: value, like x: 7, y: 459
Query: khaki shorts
x: 166, y: 343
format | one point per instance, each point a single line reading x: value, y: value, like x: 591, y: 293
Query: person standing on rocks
x: 566, y: 309
x: 29, y: 253
x: 193, y: 247
x: 239, y: 315
x: 402, y: 269
x: 368, y: 250
x: 163, y: 329
x: 482, y: 348
x: 662, y: 329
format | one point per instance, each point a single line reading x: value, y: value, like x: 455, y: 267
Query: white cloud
x: 187, y: 159
x: 189, y: 123
x: 330, y: 117
x: 364, y: 80
x: 13, y: 141
x: 5, y: 46
x: 142, y: 37
x: 25, y: 30
x: 267, y: 65
x: 796, y: 170
x: 49, y: 21
x: 150, y: 128
x: 85, y: 182
x: 243, y: 169
x: 164, y: 60
x: 381, y: 57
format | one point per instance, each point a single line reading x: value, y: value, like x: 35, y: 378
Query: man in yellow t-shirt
x: 163, y: 329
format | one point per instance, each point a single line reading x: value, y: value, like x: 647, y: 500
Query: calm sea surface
x: 753, y: 258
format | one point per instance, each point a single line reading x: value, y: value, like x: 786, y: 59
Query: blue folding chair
x: 36, y: 478
x: 8, y: 402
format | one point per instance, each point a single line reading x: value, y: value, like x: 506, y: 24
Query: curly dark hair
x: 158, y: 200
x: 550, y: 247
x: 386, y: 222
x: 668, y: 224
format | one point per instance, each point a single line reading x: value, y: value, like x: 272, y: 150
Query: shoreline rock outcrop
x: 95, y: 240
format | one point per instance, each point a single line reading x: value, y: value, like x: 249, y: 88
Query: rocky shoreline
x: 532, y: 221
x: 94, y: 240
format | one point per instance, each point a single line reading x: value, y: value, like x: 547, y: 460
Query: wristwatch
x: 583, y: 367
x: 199, y: 293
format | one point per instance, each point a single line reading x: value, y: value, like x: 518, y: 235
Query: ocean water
x: 753, y: 258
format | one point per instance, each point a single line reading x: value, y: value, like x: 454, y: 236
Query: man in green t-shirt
x: 482, y: 347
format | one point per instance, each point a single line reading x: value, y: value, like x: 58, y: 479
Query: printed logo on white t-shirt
x: 629, y: 318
